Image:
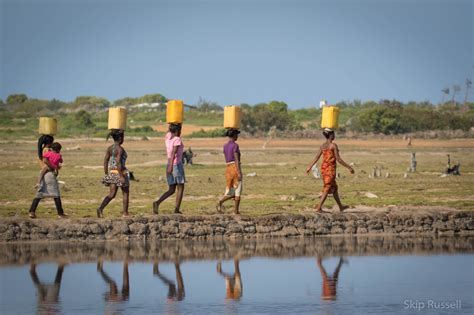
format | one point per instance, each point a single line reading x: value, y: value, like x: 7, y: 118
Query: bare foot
x: 343, y: 208
x: 319, y: 210
x: 177, y: 211
x: 32, y: 215
x: 219, y: 207
x: 156, y: 206
x: 126, y: 215
x: 100, y: 214
x: 62, y: 216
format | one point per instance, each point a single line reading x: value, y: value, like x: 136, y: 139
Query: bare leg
x: 126, y: 195
x: 107, y: 199
x: 221, y: 201
x: 168, y: 193
x: 318, y: 208
x: 59, y: 207
x: 125, y: 282
x: 33, y: 207
x: 179, y: 197
x: 338, y: 200
x: 237, y: 204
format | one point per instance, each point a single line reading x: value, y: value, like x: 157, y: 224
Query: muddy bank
x: 179, y: 250
x: 227, y: 226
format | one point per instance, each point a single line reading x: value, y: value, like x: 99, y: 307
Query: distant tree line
x: 385, y: 116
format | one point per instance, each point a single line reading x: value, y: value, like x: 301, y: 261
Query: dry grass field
x: 280, y: 184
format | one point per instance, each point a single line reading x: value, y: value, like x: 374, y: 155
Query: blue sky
x: 237, y: 51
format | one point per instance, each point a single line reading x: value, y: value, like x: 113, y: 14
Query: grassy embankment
x: 280, y: 186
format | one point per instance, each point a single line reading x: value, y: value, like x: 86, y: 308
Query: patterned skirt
x: 113, y: 178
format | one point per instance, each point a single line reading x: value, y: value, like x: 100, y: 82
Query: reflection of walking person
x: 233, y: 282
x: 329, y: 283
x: 233, y: 173
x: 173, y: 294
x: 115, y: 173
x: 48, y: 185
x: 174, y: 169
x: 330, y: 153
x: 114, y: 295
x: 48, y: 294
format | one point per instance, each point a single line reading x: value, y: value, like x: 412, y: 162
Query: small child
x: 53, y: 160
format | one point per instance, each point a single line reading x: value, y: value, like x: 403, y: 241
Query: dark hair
x: 42, y: 142
x: 116, y: 134
x: 232, y: 133
x: 174, y: 128
x: 327, y: 133
x: 56, y: 147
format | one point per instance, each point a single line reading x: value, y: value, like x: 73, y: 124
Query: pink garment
x: 54, y: 158
x: 170, y: 144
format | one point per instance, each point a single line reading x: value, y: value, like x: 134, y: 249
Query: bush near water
x: 87, y: 116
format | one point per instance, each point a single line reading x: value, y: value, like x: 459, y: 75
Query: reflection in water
x: 233, y: 282
x: 265, y: 268
x: 173, y: 294
x: 329, y: 282
x: 114, y: 295
x: 48, y: 294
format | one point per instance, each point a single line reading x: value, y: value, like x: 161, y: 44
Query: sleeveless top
x: 113, y: 162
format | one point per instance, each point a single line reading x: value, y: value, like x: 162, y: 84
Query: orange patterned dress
x: 328, y: 171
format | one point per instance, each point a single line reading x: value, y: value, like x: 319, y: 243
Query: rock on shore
x: 228, y: 226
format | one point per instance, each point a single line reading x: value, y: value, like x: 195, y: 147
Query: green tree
x: 84, y: 119
x: 16, y: 99
x: 91, y: 101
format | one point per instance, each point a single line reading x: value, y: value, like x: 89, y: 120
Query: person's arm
x: 318, y: 155
x: 237, y: 162
x: 169, y: 170
x: 119, y: 163
x: 339, y: 159
x: 106, y: 161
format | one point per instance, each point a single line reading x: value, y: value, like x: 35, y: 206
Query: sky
x: 232, y: 52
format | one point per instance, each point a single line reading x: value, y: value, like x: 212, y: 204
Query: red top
x: 54, y: 158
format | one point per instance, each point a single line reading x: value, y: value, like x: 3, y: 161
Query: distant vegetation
x: 87, y: 116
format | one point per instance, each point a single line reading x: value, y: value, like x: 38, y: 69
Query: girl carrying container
x: 116, y: 174
x: 48, y: 186
x: 330, y: 153
x: 233, y: 172
x: 174, y: 169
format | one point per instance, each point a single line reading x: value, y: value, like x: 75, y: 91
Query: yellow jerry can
x: 117, y: 118
x: 330, y: 117
x: 174, y: 112
x: 232, y: 116
x: 48, y: 126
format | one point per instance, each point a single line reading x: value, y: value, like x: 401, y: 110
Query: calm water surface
x: 316, y: 276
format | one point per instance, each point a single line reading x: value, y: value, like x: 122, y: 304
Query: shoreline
x: 222, y: 226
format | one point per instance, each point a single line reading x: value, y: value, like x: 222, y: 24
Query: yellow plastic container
x: 232, y: 116
x: 330, y: 117
x: 117, y: 118
x: 174, y: 112
x: 48, y: 126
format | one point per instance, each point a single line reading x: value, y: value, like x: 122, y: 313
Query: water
x: 364, y: 275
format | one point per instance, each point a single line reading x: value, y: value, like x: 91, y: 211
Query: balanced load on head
x: 174, y: 112
x: 117, y: 118
x: 48, y: 126
x: 232, y: 116
x: 330, y: 117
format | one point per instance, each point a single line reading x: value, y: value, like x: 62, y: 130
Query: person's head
x: 56, y: 147
x: 233, y: 134
x: 45, y: 141
x: 329, y: 134
x: 116, y: 134
x: 175, y: 129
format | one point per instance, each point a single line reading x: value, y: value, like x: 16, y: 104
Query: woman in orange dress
x: 330, y: 153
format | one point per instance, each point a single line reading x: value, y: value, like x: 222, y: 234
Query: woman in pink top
x: 174, y: 170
